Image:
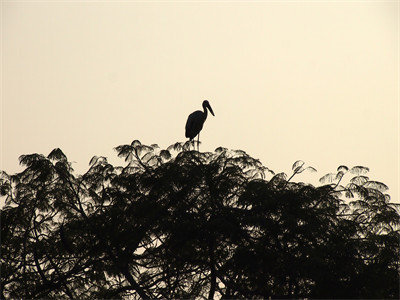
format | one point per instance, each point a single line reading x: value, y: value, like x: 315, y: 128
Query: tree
x: 175, y: 223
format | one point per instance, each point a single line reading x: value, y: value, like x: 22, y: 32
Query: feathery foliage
x: 174, y: 223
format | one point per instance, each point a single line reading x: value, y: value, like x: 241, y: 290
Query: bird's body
x: 195, y: 121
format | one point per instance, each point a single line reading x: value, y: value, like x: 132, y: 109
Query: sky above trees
x: 316, y: 81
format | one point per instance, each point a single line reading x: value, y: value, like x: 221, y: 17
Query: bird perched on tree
x: 195, y: 121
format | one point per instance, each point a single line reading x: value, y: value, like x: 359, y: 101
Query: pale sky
x: 316, y: 81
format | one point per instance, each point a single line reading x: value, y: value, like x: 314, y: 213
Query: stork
x: 195, y: 121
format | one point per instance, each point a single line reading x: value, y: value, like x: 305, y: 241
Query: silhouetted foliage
x: 175, y: 223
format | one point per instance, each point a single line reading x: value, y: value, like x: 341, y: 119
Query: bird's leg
x: 198, y: 142
x: 190, y: 142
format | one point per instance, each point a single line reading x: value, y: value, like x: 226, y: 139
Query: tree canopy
x: 175, y: 223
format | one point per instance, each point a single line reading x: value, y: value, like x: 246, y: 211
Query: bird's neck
x: 205, y: 112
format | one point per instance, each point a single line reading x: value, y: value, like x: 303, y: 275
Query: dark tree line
x: 183, y: 224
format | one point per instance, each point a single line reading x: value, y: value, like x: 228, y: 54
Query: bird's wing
x: 189, y: 126
x: 194, y: 124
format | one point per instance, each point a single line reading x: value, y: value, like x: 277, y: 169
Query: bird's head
x: 206, y: 104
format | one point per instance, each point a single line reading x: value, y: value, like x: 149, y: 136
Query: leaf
x: 339, y: 175
x: 376, y: 185
x: 359, y: 170
x: 29, y: 159
x: 342, y: 168
x: 240, y: 153
x: 143, y: 148
x: 175, y: 147
x: 93, y: 160
x: 268, y: 170
x: 221, y: 149
x: 328, y: 178
x: 136, y: 143
x: 280, y: 176
x: 297, y: 164
x: 298, y: 170
x: 57, y: 154
x: 165, y: 154
x: 311, y: 169
x: 98, y: 160
x: 124, y: 150
x: 359, y: 180
x: 148, y: 157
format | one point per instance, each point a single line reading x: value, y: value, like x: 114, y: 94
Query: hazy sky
x: 316, y: 81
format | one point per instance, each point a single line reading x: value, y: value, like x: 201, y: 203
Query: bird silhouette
x: 195, y: 122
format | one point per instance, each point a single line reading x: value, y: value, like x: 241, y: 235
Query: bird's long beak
x: 210, y: 109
